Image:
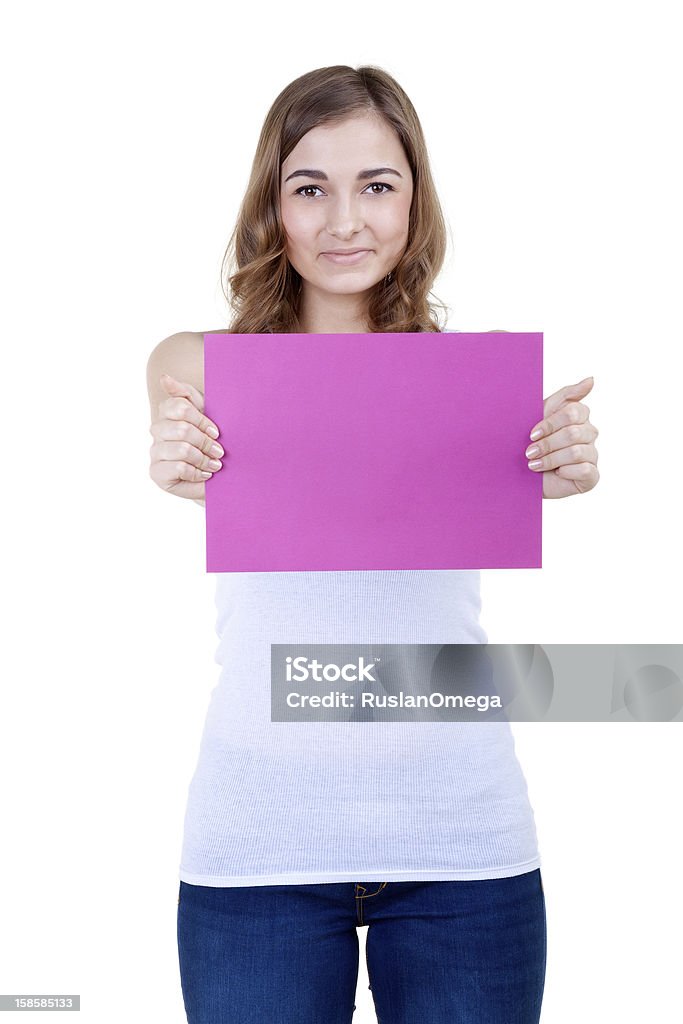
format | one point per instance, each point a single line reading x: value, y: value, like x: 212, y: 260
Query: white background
x: 129, y: 133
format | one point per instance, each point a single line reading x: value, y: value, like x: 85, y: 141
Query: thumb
x: 580, y: 389
x: 570, y: 393
x: 182, y: 388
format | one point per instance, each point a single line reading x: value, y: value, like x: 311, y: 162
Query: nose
x: 345, y: 217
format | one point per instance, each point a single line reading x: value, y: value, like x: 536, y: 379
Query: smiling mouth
x: 346, y: 257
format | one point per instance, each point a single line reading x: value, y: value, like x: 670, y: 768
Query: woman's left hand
x: 566, y: 454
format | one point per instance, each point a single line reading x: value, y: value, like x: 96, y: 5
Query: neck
x: 322, y: 313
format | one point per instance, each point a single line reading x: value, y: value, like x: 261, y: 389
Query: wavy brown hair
x: 264, y: 289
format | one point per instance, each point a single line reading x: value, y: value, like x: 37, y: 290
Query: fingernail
x: 531, y: 451
x: 212, y: 432
x: 535, y: 434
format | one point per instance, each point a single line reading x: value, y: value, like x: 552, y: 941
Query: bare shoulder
x: 182, y: 356
x: 179, y: 353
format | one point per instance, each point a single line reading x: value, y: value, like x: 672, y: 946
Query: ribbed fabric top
x: 295, y: 802
x: 302, y: 802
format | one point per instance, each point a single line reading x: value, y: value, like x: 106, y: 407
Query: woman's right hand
x: 185, y: 452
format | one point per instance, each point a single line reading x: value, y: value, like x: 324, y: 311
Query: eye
x: 382, y: 184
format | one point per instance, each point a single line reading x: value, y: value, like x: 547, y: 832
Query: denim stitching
x: 364, y: 895
x: 359, y: 905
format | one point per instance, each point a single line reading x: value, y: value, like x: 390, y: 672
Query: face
x: 355, y: 194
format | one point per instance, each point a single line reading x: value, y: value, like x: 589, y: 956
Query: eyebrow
x: 361, y: 176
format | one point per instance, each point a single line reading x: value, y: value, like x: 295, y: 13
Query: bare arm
x: 182, y: 356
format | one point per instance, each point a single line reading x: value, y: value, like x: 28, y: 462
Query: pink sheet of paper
x: 373, y: 451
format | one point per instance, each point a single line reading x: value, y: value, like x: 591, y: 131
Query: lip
x: 355, y: 256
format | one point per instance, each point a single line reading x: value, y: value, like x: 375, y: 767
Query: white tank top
x: 276, y: 803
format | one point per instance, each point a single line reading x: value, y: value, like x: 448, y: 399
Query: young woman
x: 296, y: 833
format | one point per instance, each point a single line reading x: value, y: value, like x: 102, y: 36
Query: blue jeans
x: 454, y: 952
